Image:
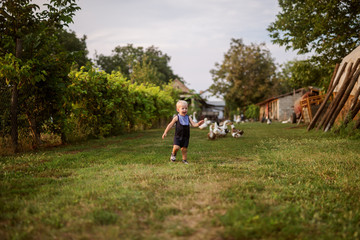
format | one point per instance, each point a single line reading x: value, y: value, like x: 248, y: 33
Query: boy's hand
x: 201, y: 122
x: 164, y: 135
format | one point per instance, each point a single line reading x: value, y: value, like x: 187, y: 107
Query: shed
x: 281, y: 108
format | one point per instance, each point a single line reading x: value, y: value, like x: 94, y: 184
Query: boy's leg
x: 184, y: 155
x: 173, y: 153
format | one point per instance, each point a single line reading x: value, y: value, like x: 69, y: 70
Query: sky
x: 195, y: 34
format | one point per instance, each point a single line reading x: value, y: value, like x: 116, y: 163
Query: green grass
x: 276, y: 182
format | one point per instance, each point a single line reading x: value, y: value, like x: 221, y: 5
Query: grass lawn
x: 276, y: 182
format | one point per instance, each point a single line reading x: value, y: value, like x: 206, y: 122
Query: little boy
x: 182, y: 130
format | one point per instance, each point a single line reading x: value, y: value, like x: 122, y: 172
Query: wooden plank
x: 328, y: 94
x: 343, y: 100
x: 337, y: 99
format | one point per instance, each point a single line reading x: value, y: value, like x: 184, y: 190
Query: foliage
x: 252, y: 111
x: 128, y: 59
x: 107, y: 104
x: 298, y: 74
x: 74, y: 45
x: 28, y: 42
x: 85, y: 103
x: 245, y: 76
x: 330, y: 29
x: 145, y: 73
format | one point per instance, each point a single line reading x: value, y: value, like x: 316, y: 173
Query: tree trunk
x: 34, y: 130
x: 14, y: 123
x: 14, y: 104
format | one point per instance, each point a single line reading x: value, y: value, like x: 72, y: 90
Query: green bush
x: 252, y: 111
x: 107, y: 104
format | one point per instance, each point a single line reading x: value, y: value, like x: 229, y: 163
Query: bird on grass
x: 205, y: 124
x: 194, y: 117
x: 235, y: 132
x: 211, y: 135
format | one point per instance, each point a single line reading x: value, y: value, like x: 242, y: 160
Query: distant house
x: 195, y: 100
x: 185, y: 93
x: 212, y: 110
x: 282, y: 107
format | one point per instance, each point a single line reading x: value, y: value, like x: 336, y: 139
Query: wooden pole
x: 343, y: 100
x: 333, y: 76
x: 328, y: 94
x: 337, y: 99
x: 357, y: 124
x: 341, y: 93
x: 354, y: 108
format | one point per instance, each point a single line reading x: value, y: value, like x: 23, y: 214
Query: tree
x: 145, y: 73
x: 330, y: 29
x: 125, y: 59
x: 74, y: 45
x: 25, y: 34
x: 297, y: 74
x: 245, y: 76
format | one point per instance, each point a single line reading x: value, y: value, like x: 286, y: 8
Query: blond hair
x: 181, y: 102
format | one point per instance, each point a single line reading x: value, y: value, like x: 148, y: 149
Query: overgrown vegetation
x: 276, y: 182
x: 40, y: 94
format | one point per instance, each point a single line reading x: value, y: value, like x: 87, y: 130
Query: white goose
x: 194, y: 118
x: 211, y: 135
x: 224, y: 128
x: 216, y: 130
x: 236, y: 133
x: 205, y: 124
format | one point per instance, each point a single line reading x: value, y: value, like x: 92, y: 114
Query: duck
x: 216, y: 129
x: 235, y: 132
x: 211, y: 135
x: 286, y: 121
x: 194, y: 118
x: 238, y: 119
x: 219, y: 131
x: 205, y: 124
x: 224, y: 128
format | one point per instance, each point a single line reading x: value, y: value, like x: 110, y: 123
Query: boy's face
x: 182, y: 109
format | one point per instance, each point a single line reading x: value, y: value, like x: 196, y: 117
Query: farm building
x: 281, y: 108
x: 185, y: 92
x: 212, y: 110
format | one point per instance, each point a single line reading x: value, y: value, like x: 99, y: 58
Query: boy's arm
x: 194, y: 124
x: 171, y: 124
